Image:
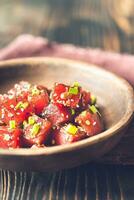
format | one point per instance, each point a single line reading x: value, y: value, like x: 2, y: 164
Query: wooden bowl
x: 115, y: 98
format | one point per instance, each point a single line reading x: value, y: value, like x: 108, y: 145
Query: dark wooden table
x: 108, y: 24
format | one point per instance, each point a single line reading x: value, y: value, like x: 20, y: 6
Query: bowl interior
x: 115, y: 98
x: 110, y: 91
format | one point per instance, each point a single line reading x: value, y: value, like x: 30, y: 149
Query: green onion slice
x: 76, y: 84
x: 93, y: 99
x: 73, y: 90
x: 12, y: 124
x: 31, y: 120
x: 84, y: 113
x: 25, y: 105
x: 18, y: 105
x: 71, y: 129
x: 94, y: 110
x: 72, y: 111
x: 35, y: 91
x: 21, y: 105
x: 35, y: 129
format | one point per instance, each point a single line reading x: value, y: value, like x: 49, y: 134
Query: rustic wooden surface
x: 108, y: 24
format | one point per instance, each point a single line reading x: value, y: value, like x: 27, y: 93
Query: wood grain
x: 97, y: 23
x: 108, y: 24
x: 95, y: 182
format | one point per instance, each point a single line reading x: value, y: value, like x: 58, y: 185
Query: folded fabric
x: 123, y: 65
x: 27, y: 46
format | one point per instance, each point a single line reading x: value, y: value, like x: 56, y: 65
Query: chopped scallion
x: 21, y: 105
x: 84, y: 113
x: 35, y: 129
x: 93, y: 100
x: 18, y: 105
x: 24, y: 123
x: 94, y: 110
x: 31, y: 120
x: 12, y: 124
x: 76, y: 84
x: 71, y: 129
x: 73, y: 90
x: 35, y: 91
x: 72, y: 111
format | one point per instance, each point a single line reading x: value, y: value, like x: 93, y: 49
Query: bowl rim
x: 121, y: 124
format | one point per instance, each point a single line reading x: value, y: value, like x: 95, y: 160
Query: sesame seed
x: 11, y: 106
x: 67, y: 138
x: 6, y: 137
x: 2, y: 116
x: 62, y: 96
x: 29, y: 98
x: 10, y: 96
x: 87, y: 122
x: 10, y: 115
x: 94, y: 123
x: 40, y: 123
x: 72, y: 100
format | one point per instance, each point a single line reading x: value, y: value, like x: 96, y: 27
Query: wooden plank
x: 102, y: 183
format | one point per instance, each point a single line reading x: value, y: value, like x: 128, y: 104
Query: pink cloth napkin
x: 28, y: 46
